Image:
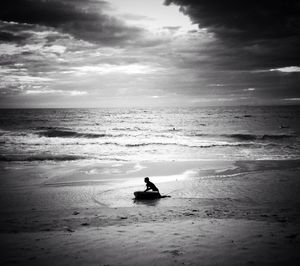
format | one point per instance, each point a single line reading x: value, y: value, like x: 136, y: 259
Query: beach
x: 220, y: 213
x: 149, y: 133
x: 68, y: 178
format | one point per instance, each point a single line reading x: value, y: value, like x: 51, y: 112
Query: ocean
x: 68, y: 178
x: 150, y: 134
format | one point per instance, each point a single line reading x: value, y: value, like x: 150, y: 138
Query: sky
x: 141, y: 53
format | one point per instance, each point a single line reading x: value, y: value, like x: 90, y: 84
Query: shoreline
x: 229, y: 213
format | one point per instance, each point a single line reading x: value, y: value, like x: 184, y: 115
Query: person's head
x: 146, y: 179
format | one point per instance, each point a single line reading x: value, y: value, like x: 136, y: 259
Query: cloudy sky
x: 98, y: 53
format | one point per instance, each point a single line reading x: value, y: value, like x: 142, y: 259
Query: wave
x: 55, y: 133
x: 265, y: 137
x: 259, y: 137
x: 179, y: 144
x: 241, y: 136
x: 127, y: 129
x: 245, y: 137
x: 31, y: 158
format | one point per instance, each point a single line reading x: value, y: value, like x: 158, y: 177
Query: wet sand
x: 219, y: 213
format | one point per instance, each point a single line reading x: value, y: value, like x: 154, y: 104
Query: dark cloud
x: 245, y: 20
x: 82, y: 19
x: 12, y: 32
x: 6, y: 36
x: 250, y: 34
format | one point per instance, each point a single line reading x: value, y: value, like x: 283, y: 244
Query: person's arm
x: 147, y: 188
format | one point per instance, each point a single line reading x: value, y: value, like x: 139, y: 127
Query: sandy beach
x: 219, y: 213
x: 196, y: 101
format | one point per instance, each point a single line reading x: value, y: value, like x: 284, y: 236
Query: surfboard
x: 146, y: 195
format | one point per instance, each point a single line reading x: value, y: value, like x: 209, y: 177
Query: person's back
x: 150, y: 185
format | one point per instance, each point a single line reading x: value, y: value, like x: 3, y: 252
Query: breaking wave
x: 31, y: 158
x: 249, y: 137
x: 59, y: 133
x: 180, y: 144
x: 265, y: 137
x: 257, y: 137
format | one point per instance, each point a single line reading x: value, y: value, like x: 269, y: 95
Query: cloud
x: 15, y: 79
x: 249, y: 34
x: 50, y: 91
x: 6, y: 36
x: 53, y: 49
x: 244, y: 20
x: 82, y: 19
x: 292, y: 99
x: 290, y: 69
x: 102, y: 69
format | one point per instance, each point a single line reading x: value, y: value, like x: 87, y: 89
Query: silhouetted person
x: 150, y: 185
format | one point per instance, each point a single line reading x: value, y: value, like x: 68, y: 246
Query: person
x: 150, y: 185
